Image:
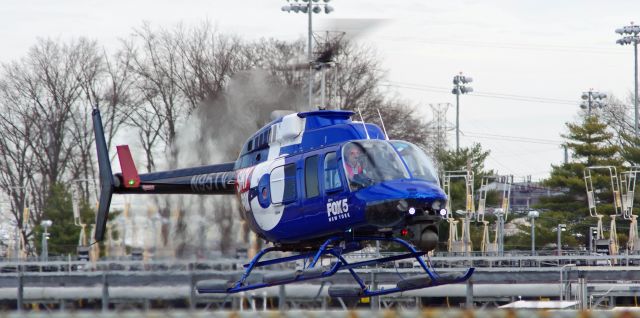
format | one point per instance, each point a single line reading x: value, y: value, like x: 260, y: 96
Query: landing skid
x: 429, y: 279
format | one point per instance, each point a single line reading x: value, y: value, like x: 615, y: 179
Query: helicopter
x: 313, y: 183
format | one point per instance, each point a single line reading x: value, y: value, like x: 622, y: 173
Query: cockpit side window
x: 332, y: 180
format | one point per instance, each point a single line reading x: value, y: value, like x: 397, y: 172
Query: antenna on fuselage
x: 363, y: 125
x: 382, y: 122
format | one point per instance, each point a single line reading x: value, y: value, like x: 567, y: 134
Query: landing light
x: 412, y: 210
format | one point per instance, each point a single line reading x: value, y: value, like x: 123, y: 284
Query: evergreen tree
x: 630, y: 148
x: 452, y: 160
x: 64, y: 234
x: 591, y: 145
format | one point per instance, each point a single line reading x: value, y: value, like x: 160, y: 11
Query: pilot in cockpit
x: 354, y: 164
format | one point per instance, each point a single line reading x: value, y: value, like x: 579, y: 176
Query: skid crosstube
x: 429, y: 279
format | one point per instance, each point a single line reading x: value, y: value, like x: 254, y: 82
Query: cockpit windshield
x: 368, y: 162
x: 419, y: 164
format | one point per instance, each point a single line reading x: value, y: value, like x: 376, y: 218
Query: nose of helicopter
x: 393, y: 203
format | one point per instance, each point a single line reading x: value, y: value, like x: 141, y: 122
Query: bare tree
x: 155, y: 62
x: 284, y: 61
x: 208, y: 60
x: 46, y: 98
x: 17, y: 164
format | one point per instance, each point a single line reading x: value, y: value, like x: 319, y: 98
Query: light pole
x: 630, y: 33
x: 561, y: 281
x: 593, y: 236
x: 560, y: 229
x: 460, y: 88
x: 45, y: 238
x: 500, y: 230
x: 308, y: 8
x: 592, y: 99
x: 533, y: 215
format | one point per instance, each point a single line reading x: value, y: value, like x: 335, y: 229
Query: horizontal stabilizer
x: 129, y: 172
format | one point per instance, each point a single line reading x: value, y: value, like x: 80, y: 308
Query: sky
x: 530, y: 60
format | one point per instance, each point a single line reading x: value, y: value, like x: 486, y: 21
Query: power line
x: 512, y: 46
x: 522, y: 98
x: 515, y: 138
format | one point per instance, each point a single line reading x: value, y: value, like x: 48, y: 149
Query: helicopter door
x: 333, y: 192
x: 284, y: 191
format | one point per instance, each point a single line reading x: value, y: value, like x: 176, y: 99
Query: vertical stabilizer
x: 106, y: 177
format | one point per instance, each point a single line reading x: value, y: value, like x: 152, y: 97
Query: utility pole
x: 460, y: 88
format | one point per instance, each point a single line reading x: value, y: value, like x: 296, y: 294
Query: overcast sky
x: 547, y: 51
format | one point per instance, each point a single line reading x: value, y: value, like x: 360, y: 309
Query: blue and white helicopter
x: 316, y: 184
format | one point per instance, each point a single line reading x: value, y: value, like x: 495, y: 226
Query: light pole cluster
x: 308, y: 7
x: 304, y: 7
x: 592, y: 99
x: 459, y: 87
x: 630, y: 36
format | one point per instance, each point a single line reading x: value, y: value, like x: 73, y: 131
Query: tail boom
x: 210, y: 179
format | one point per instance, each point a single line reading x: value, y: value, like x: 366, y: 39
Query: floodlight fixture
x: 592, y: 99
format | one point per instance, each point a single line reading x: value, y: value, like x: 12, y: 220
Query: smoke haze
x: 214, y: 133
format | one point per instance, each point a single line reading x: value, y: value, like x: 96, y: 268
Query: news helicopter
x: 313, y: 183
